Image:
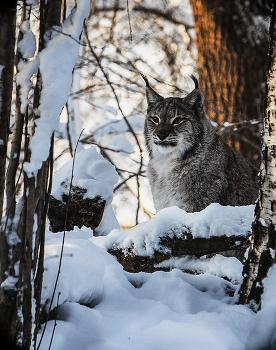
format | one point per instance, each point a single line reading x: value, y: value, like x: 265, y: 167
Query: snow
x: 27, y: 46
x: 263, y: 335
x: 91, y: 172
x: 94, y: 174
x: 9, y: 282
x: 218, y: 265
x: 25, y: 71
x: 215, y: 220
x: 102, y: 307
x: 57, y: 62
x: 80, y: 259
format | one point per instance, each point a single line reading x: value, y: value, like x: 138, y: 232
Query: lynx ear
x: 194, y: 100
x: 152, y: 96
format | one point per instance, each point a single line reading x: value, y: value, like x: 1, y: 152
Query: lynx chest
x: 170, y: 182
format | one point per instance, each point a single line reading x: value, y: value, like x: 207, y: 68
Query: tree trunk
x: 262, y: 252
x: 232, y: 49
x: 17, y: 137
x: 22, y: 242
x: 7, y: 42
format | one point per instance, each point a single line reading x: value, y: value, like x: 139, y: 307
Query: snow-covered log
x: 178, y: 247
x: 176, y: 233
x: 91, y: 192
x: 81, y: 211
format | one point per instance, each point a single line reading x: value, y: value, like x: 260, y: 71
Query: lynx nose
x: 162, y: 136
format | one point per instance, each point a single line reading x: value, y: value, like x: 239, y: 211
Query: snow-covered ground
x: 102, y: 307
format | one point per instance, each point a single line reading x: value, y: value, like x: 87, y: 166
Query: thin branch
x: 120, y: 109
x: 130, y: 30
x: 106, y: 148
x: 52, y: 337
x: 63, y: 242
x: 112, y: 88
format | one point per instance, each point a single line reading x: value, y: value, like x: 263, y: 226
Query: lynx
x: 190, y: 166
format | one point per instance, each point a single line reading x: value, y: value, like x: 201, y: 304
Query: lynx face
x: 173, y: 125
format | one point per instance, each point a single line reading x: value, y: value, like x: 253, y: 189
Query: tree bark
x: 81, y: 211
x: 17, y: 137
x: 8, y: 332
x: 7, y: 43
x: 21, y: 265
x: 232, y: 56
x: 262, y: 252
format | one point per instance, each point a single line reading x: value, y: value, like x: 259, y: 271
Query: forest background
x: 87, y: 84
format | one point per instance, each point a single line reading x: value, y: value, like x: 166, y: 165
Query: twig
x: 52, y: 337
x: 112, y: 88
x: 106, y: 148
x: 138, y: 198
x: 123, y: 182
x: 119, y: 107
x: 130, y: 30
x: 63, y: 241
x: 68, y: 130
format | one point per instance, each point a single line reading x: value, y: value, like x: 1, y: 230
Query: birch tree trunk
x: 262, y: 250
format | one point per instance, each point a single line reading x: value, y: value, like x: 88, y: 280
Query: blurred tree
x: 232, y: 42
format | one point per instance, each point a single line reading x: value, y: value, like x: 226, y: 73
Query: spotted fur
x: 190, y: 166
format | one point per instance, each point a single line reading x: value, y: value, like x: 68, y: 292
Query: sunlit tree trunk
x: 232, y: 48
x: 262, y: 250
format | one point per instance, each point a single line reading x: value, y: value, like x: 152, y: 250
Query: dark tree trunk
x: 263, y: 244
x: 7, y: 43
x: 21, y: 265
x: 8, y: 312
x: 232, y: 57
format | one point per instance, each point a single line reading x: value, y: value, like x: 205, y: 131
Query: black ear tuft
x: 152, y: 96
x: 145, y: 78
x: 194, y: 101
x: 194, y: 80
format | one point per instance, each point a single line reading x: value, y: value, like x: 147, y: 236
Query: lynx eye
x: 177, y: 121
x: 155, y: 120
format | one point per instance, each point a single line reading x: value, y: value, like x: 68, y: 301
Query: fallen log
x: 179, y: 247
x: 175, y: 233
x: 81, y: 211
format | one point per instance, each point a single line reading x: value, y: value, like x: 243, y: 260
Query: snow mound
x: 218, y: 265
x: 163, y: 310
x: 263, y: 335
x: 91, y: 172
